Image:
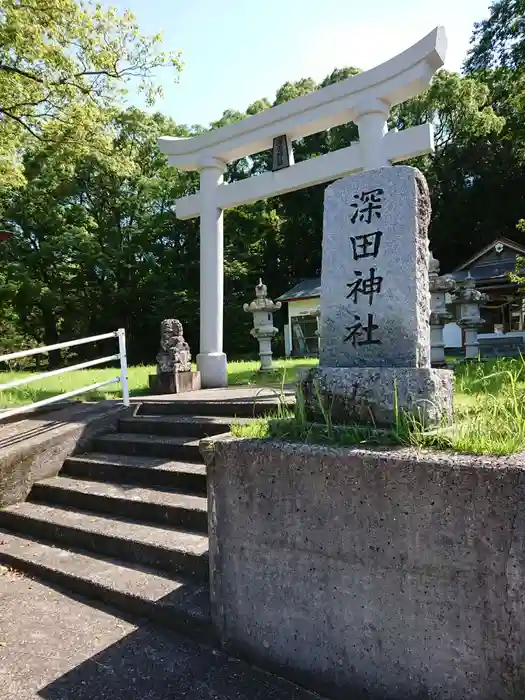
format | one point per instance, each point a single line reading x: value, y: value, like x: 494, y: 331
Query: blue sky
x: 236, y: 51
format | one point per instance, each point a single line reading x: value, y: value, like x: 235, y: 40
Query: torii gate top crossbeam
x: 390, y: 83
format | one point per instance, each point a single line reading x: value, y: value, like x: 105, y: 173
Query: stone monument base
x: 374, y: 395
x: 174, y: 382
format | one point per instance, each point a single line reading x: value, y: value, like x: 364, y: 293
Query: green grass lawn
x: 285, y: 372
x: 489, y: 417
x: 239, y: 374
x: 489, y: 402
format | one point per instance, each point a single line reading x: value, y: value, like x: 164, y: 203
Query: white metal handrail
x: 122, y: 378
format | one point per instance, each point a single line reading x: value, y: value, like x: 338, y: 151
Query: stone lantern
x: 439, y: 314
x: 469, y: 300
x: 263, y: 329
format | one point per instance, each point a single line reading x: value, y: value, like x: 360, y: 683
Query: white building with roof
x: 300, y: 334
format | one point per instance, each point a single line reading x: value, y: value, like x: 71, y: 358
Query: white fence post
x: 123, y: 366
x: 122, y: 378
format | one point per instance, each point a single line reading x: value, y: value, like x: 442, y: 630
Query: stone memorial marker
x: 174, y: 373
x: 375, y: 301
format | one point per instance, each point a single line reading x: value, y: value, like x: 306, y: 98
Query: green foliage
x: 95, y: 239
x: 494, y: 423
x: 246, y: 373
x: 497, y: 60
x: 458, y: 107
x: 257, y: 429
x: 62, y: 54
x: 465, y: 127
x: 518, y: 276
x: 499, y: 40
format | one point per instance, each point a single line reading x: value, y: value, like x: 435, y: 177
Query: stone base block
x: 374, y: 395
x: 174, y: 382
x: 213, y: 369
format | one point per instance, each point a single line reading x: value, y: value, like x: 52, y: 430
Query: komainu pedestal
x: 174, y: 373
x: 375, y: 303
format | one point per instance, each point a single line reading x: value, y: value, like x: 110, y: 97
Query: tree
x: 497, y: 58
x: 465, y: 128
x: 11, y: 337
x: 518, y: 276
x: 258, y: 106
x: 60, y: 53
x: 499, y: 41
x: 96, y: 242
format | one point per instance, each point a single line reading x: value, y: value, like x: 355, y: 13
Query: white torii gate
x: 365, y: 99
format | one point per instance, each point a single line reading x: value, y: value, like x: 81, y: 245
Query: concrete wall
x: 369, y: 573
x: 35, y: 448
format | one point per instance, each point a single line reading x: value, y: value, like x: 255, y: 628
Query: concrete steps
x: 233, y: 409
x: 177, y: 425
x: 155, y: 472
x: 167, y: 550
x: 136, y: 591
x: 169, y: 508
x: 148, y: 445
x: 126, y: 523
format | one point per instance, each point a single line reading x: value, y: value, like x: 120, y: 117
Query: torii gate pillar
x: 211, y: 360
x: 365, y: 98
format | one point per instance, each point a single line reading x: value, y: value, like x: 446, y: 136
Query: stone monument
x: 263, y: 329
x: 375, y: 303
x: 174, y: 373
x: 439, y: 312
x: 468, y: 301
